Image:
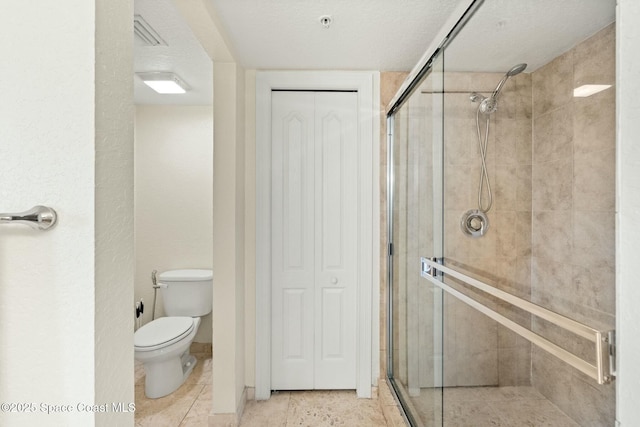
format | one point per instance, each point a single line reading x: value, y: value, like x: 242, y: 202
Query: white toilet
x: 162, y: 345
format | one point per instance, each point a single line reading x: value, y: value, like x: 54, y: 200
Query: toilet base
x: 163, y: 378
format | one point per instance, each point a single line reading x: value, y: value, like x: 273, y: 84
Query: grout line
x: 192, y: 403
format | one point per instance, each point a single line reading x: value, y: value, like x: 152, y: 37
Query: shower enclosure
x: 501, y: 199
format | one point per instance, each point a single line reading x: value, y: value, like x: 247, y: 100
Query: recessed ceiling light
x: 588, y: 90
x: 164, y: 83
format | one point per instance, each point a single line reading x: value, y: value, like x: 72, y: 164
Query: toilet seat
x: 162, y: 332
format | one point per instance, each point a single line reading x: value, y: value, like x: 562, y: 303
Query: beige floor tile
x: 393, y: 416
x: 471, y: 413
x: 427, y: 406
x: 389, y: 406
x: 267, y: 413
x: 333, y: 408
x: 538, y: 413
x: 198, y: 415
x: 168, y: 411
x: 139, y: 373
x: 384, y: 394
x: 202, y: 371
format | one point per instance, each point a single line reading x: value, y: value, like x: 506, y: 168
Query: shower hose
x: 484, y: 175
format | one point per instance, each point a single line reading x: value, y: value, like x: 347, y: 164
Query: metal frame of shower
x: 603, y: 371
x: 422, y: 69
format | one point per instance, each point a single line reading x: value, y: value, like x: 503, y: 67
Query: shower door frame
x: 453, y: 25
x: 603, y: 371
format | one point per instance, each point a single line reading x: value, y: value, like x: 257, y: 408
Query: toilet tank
x: 186, y: 292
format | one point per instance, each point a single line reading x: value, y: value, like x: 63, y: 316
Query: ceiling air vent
x: 145, y: 33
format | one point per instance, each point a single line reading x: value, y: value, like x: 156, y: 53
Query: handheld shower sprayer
x: 475, y: 222
x: 512, y: 72
x: 489, y: 105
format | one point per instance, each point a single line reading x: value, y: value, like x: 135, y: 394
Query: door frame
x: 367, y: 85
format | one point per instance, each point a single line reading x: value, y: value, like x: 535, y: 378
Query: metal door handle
x: 38, y: 218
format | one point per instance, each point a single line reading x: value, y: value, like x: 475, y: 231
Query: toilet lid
x: 186, y: 275
x: 164, y: 330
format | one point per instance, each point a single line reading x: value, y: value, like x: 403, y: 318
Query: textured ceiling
x: 365, y: 35
x: 503, y: 33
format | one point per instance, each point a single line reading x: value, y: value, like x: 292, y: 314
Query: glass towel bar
x: 604, y: 369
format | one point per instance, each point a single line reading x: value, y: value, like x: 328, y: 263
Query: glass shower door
x: 415, y: 366
x: 502, y: 169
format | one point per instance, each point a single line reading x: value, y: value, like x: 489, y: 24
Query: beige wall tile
x: 550, y: 377
x: 594, y: 123
x: 552, y: 235
x: 591, y: 405
x: 505, y: 187
x: 551, y: 283
x: 589, y: 290
x: 594, y: 239
x: 553, y: 134
x: 524, y: 188
x: 594, y: 186
x: 552, y: 85
x: 595, y: 58
x: 514, y: 366
x: 552, y: 185
x: 513, y: 140
x: 504, y: 226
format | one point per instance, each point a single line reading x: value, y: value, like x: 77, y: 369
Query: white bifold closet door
x: 314, y: 240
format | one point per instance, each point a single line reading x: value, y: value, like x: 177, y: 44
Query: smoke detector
x: 326, y: 21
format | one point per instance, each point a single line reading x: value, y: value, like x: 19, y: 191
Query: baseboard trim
x: 230, y: 419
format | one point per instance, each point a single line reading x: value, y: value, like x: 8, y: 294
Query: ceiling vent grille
x: 145, y: 32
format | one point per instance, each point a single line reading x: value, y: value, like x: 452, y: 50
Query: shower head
x: 516, y: 70
x: 490, y: 105
x: 512, y: 72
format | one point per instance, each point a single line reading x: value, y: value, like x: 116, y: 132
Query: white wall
x: 628, y: 232
x: 173, y: 197
x: 228, y: 363
x: 65, y: 122
x: 250, y: 229
x: 113, y: 192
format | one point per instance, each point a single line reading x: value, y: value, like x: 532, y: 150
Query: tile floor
x: 189, y: 406
x: 490, y: 407
x: 502, y: 406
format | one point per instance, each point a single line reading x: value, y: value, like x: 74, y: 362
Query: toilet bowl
x: 162, y: 345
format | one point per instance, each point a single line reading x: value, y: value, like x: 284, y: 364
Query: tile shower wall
x: 552, y: 166
x: 573, y: 206
x: 478, y: 351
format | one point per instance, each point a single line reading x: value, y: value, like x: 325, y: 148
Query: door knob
x: 334, y: 280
